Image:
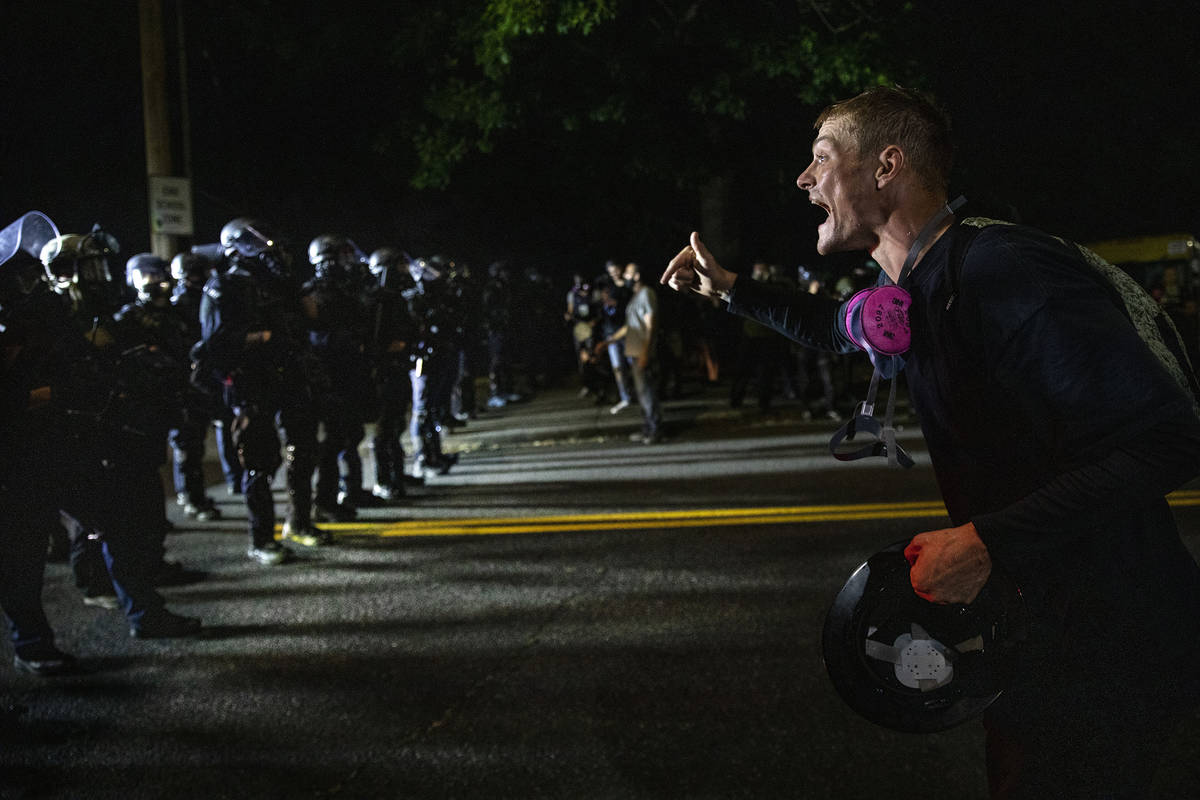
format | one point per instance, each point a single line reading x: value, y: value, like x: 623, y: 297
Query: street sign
x: 171, y: 205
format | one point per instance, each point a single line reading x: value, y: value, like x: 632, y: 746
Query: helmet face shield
x: 252, y: 242
x: 60, y: 271
x: 78, y: 264
x: 390, y: 268
x: 247, y: 238
x: 336, y: 258
x: 191, y: 269
x: 31, y: 233
x: 75, y: 259
x: 152, y: 284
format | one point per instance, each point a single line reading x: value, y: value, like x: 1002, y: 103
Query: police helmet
x: 326, y: 247
x: 337, y: 257
x: 79, y: 259
x: 191, y: 268
x: 246, y: 237
x: 252, y: 241
x: 150, y: 277
x: 911, y: 665
x: 390, y: 268
x: 385, y: 258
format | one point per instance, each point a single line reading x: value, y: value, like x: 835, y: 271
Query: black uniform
x: 92, y: 448
x: 338, y: 338
x: 187, y: 441
x: 267, y: 382
x: 433, y: 372
x: 391, y: 338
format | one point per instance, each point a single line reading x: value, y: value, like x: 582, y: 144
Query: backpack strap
x: 1151, y: 322
x: 963, y: 233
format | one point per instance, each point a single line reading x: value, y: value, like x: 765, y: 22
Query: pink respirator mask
x: 876, y: 320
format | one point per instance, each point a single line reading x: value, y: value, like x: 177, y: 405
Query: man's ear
x: 891, y: 161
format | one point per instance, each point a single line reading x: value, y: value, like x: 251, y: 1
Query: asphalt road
x: 565, y: 615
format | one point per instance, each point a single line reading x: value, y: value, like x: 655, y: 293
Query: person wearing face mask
x: 254, y: 322
x: 154, y: 320
x: 99, y: 403
x: 191, y: 270
x: 1056, y: 426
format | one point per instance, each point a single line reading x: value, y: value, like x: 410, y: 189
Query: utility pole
x: 170, y: 197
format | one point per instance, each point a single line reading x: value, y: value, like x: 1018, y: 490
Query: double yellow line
x: 649, y: 520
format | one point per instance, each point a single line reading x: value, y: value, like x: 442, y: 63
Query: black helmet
x: 336, y: 257
x: 192, y: 268
x: 250, y: 242
x: 326, y: 247
x: 246, y: 237
x: 80, y: 260
x: 149, y: 276
x: 911, y: 665
x: 390, y: 268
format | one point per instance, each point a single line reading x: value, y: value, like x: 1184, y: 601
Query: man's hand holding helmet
x: 949, y: 565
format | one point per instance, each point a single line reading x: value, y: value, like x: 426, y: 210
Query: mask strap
x: 882, y: 441
x: 895, y: 453
x: 867, y: 408
x: 926, y: 232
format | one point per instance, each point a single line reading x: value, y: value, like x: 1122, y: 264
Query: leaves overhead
x: 671, y: 85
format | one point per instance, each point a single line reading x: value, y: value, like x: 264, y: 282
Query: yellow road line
x: 649, y: 520
x: 693, y: 518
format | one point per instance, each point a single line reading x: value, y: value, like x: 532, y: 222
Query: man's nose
x: 805, y: 181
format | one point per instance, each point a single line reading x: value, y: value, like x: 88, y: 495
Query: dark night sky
x: 1084, y: 121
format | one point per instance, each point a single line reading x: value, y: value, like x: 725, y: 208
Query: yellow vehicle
x: 1168, y: 267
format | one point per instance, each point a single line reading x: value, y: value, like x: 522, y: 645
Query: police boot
x: 350, y: 491
x: 389, y: 472
x: 298, y: 527
x: 432, y: 453
x: 202, y: 509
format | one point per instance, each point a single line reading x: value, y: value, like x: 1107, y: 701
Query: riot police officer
x: 23, y: 543
x: 338, y: 338
x: 79, y: 273
x: 152, y: 319
x: 254, y: 326
x: 392, y: 335
x: 434, y: 367
x: 191, y: 270
x: 100, y: 433
x: 466, y: 297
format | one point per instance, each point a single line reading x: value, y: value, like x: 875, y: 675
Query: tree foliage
x: 676, y: 83
x: 551, y: 121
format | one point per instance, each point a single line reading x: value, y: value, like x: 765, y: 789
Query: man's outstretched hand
x: 948, y: 566
x: 696, y: 269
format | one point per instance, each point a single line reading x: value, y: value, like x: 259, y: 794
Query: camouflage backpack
x: 1149, y: 319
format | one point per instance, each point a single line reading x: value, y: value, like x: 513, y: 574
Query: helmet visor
x: 29, y: 233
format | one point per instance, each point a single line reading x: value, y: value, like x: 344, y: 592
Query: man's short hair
x: 886, y: 115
